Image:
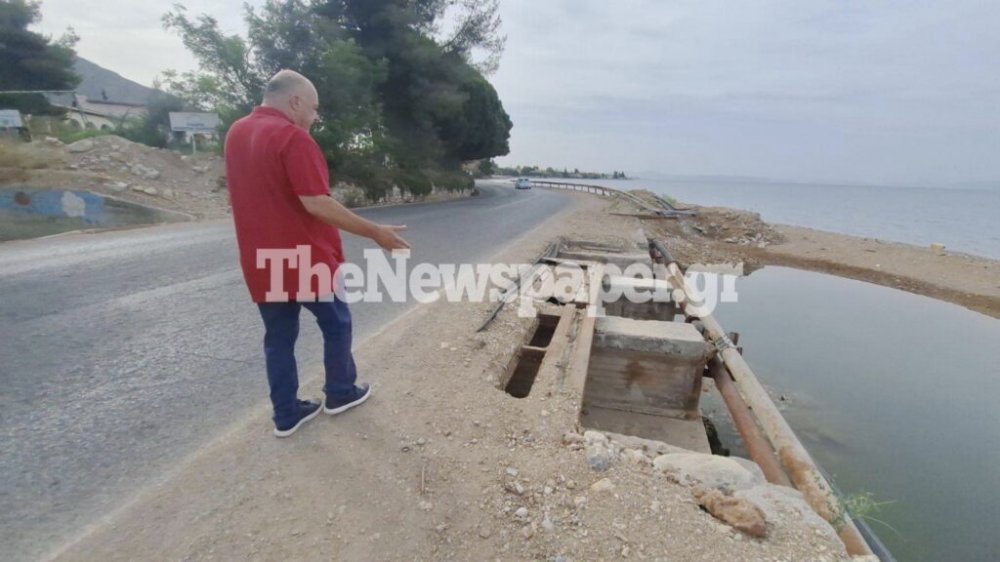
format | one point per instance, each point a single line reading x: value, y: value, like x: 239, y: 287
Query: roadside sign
x: 194, y: 122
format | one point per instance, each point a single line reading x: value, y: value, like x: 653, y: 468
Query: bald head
x: 294, y: 95
x: 286, y: 83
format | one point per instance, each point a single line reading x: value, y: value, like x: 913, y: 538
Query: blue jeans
x: 281, y: 325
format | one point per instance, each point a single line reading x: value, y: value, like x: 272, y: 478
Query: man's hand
x: 388, y: 238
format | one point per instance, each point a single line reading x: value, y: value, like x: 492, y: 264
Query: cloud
x: 833, y: 91
x: 128, y: 37
x: 888, y: 92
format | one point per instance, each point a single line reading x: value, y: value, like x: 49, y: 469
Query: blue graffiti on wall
x: 83, y: 205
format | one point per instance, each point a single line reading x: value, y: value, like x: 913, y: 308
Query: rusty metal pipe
x: 757, y: 445
x: 793, y: 455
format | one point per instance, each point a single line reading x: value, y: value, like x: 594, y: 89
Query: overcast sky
x: 848, y: 91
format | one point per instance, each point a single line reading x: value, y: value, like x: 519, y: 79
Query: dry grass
x: 12, y: 175
x: 28, y: 156
x: 17, y: 159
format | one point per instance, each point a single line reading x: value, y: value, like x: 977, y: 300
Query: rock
x: 751, y: 466
x: 635, y: 456
x: 712, y: 471
x: 571, y: 485
x: 599, y: 457
x: 602, y: 485
x: 168, y: 193
x: 80, y: 146
x: 119, y: 187
x: 739, y: 513
x: 780, y: 503
x: 600, y: 451
x: 571, y: 438
x: 649, y: 446
x: 548, y: 525
x: 145, y: 172
x: 515, y: 488
x: 150, y: 191
x: 521, y: 513
x: 512, y: 472
x: 485, y: 532
x: 937, y: 247
x: 527, y: 532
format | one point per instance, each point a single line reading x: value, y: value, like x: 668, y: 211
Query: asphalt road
x: 123, y: 352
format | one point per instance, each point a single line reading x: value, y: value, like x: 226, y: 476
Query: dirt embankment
x: 721, y: 235
x: 116, y: 167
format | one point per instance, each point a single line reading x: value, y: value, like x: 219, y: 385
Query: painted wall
x: 83, y: 205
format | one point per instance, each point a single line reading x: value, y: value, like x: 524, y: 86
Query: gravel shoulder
x: 440, y: 464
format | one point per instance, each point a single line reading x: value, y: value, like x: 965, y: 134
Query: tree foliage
x: 402, y: 101
x: 32, y: 61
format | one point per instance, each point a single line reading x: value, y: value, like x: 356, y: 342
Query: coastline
x: 724, y: 235
x: 445, y: 461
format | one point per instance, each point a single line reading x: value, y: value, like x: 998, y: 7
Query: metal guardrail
x: 586, y: 188
x: 665, y: 208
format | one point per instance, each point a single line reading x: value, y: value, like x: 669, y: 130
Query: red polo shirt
x: 270, y: 162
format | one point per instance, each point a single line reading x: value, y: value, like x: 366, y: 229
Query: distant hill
x: 101, y: 84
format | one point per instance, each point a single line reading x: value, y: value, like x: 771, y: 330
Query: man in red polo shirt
x: 287, y: 229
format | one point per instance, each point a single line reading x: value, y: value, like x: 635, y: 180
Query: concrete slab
x: 617, y: 259
x: 649, y: 383
x: 685, y: 433
x: 651, y: 336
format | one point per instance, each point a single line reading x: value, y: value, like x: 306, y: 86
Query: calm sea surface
x: 965, y: 220
x: 892, y: 393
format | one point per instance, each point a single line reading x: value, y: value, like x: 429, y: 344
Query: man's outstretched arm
x: 332, y: 212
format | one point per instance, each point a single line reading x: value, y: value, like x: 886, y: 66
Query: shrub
x: 73, y: 136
